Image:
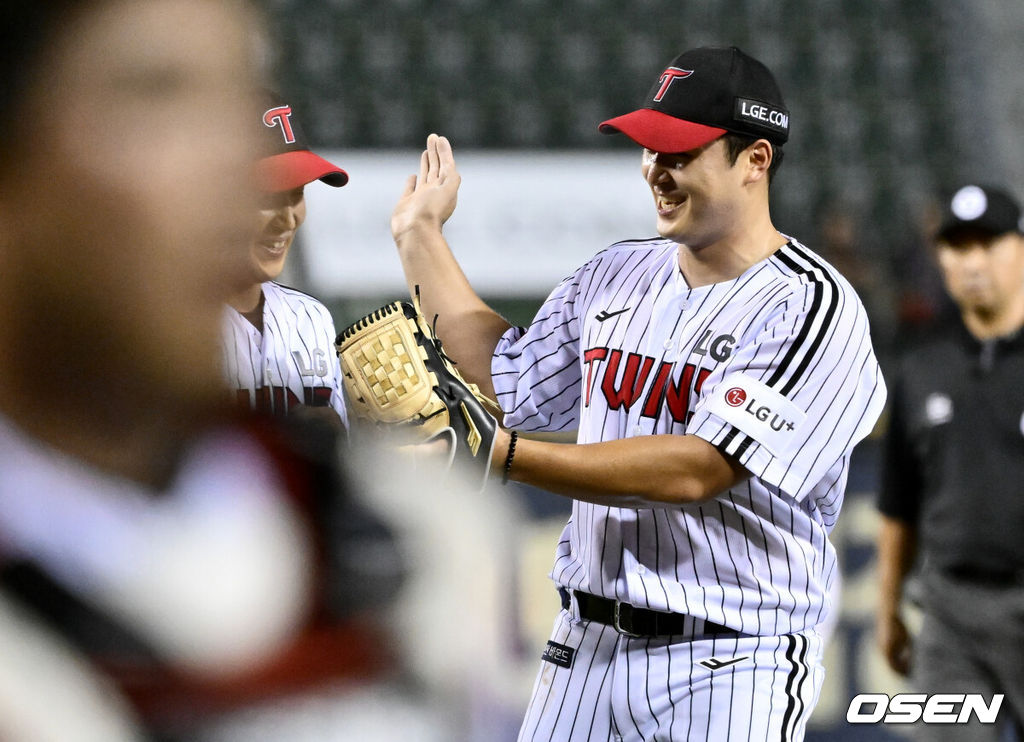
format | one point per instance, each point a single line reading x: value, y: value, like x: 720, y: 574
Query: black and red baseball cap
x: 291, y: 163
x: 700, y: 96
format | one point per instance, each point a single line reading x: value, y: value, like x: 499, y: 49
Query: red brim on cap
x: 660, y: 132
x: 289, y: 170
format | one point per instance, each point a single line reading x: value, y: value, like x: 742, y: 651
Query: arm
x: 469, y: 328
x: 646, y: 471
x: 897, y: 545
x: 899, y: 497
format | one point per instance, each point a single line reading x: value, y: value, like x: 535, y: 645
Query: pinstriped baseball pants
x: 625, y: 689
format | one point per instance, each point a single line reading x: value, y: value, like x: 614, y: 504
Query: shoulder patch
x: 757, y: 410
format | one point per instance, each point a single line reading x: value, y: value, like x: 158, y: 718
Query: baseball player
x: 950, y: 498
x: 279, y: 342
x: 718, y: 376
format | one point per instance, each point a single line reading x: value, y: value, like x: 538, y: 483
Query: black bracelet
x: 513, y: 437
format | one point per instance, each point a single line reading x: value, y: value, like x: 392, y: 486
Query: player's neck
x: 248, y: 302
x: 989, y: 325
x: 729, y: 256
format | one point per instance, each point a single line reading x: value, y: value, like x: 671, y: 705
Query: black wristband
x: 513, y: 437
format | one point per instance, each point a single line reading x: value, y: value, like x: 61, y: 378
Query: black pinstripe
x: 794, y: 703
x: 812, y: 315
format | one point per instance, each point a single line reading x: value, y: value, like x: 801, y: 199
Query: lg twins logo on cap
x: 281, y: 116
x: 668, y: 77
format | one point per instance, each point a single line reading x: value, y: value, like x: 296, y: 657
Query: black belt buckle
x: 623, y: 611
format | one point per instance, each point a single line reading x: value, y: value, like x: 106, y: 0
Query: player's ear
x: 758, y: 159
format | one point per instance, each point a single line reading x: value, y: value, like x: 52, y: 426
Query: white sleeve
x: 536, y: 370
x: 802, y: 389
x: 337, y: 401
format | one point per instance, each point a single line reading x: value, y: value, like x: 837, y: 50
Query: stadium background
x: 890, y: 101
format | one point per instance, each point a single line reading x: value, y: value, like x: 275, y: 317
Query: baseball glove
x: 397, y: 376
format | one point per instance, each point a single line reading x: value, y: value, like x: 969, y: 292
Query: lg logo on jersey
x: 736, y: 396
x: 719, y: 349
x: 908, y: 708
x: 758, y: 411
x: 318, y: 366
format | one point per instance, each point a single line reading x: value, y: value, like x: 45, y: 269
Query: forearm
x: 468, y: 328
x: 897, y: 545
x: 642, y: 472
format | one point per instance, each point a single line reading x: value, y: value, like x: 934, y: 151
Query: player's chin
x: 270, y: 265
x: 977, y: 299
x: 671, y: 230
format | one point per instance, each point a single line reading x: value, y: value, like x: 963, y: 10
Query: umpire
x: 953, y: 485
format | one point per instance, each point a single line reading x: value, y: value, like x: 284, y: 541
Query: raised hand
x: 430, y: 198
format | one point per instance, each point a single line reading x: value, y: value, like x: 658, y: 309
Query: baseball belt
x: 640, y: 622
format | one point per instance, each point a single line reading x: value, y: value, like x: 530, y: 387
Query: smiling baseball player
x: 719, y: 377
x: 279, y: 342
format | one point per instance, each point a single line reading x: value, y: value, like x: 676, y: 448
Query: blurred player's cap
x: 291, y: 163
x: 982, y: 209
x: 703, y: 94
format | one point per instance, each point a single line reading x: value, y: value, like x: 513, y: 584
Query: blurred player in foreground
x: 136, y: 530
x: 719, y: 377
x: 954, y: 467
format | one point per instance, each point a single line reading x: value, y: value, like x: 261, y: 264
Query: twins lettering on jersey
x: 603, y: 366
x: 749, y: 404
x: 278, y: 398
x: 674, y: 393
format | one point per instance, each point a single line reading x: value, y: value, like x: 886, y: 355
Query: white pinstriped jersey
x: 774, y: 367
x: 292, y: 362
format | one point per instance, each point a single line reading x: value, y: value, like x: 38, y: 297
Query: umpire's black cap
x: 979, y: 208
x: 290, y: 163
x: 700, y: 96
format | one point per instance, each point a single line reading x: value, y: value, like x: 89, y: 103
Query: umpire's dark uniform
x: 954, y: 469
